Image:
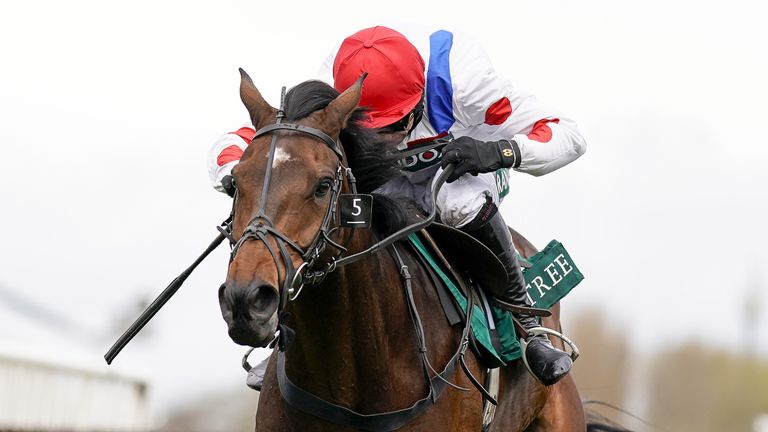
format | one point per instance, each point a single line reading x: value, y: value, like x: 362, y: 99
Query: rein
x: 292, y: 282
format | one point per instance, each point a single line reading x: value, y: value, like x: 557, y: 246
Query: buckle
x: 297, y: 284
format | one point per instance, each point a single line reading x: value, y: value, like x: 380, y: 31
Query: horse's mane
x: 363, y: 147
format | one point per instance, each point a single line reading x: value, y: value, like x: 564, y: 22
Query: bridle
x: 311, y: 271
x: 261, y: 227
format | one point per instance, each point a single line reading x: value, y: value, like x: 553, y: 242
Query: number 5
x: 357, y: 210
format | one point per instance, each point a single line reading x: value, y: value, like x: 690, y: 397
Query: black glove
x: 474, y: 157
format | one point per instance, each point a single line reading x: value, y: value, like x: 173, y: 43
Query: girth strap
x: 387, y: 421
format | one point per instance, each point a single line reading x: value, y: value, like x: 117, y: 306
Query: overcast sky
x: 107, y: 112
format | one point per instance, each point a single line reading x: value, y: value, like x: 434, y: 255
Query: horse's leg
x: 562, y: 411
x: 521, y: 398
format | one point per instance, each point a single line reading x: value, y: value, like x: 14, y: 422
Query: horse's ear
x: 340, y: 109
x: 260, y: 111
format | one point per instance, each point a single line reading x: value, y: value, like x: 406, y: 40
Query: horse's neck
x: 355, y: 330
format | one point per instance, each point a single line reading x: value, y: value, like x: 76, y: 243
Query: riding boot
x: 546, y: 363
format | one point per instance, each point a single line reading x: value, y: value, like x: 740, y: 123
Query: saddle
x: 468, y: 254
x: 473, y: 256
x: 464, y: 265
x: 459, y: 266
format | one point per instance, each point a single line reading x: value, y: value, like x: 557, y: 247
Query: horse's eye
x: 322, y: 188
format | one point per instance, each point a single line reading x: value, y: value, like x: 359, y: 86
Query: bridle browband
x: 317, y: 133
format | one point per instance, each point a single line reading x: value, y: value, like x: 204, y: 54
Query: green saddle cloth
x: 551, y: 276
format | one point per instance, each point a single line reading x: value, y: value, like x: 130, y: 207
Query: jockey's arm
x: 226, y: 153
x: 227, y: 150
x: 546, y: 139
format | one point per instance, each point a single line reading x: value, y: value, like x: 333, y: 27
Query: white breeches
x: 458, y: 203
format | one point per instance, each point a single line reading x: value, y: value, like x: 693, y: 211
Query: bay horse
x: 349, y: 338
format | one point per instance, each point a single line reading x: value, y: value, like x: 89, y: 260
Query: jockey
x: 437, y: 89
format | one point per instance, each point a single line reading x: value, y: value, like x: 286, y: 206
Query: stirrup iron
x: 536, y: 331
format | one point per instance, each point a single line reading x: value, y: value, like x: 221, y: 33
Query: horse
x: 367, y: 337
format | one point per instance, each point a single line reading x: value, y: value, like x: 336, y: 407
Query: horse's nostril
x: 249, y: 311
x: 244, y: 303
x: 264, y: 301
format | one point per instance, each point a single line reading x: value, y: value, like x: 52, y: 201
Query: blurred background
x: 108, y: 110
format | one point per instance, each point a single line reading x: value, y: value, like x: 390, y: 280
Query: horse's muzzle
x: 250, y: 312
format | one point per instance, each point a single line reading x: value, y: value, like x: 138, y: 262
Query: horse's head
x: 287, y: 183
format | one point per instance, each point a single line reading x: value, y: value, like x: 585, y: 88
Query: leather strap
x: 449, y: 305
x: 317, y: 133
x: 523, y: 310
x: 466, y: 333
x: 387, y: 421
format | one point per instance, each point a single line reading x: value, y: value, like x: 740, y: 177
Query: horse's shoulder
x: 523, y: 246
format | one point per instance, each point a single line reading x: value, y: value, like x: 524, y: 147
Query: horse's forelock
x: 308, y: 97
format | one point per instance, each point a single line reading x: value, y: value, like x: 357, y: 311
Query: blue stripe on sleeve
x: 439, y: 86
